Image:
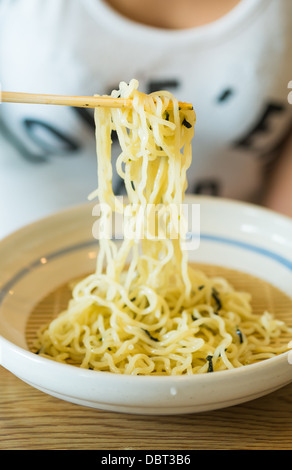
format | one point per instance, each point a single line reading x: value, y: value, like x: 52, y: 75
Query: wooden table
x: 32, y: 420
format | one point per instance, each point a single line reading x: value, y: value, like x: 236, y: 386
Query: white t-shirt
x: 235, y: 71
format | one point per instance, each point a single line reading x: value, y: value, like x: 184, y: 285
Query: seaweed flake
x: 215, y: 295
x: 239, y: 333
x: 150, y: 336
x: 186, y: 123
x: 210, y: 360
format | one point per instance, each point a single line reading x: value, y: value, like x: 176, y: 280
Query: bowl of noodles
x: 178, y: 304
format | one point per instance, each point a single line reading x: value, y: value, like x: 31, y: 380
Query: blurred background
x: 232, y: 62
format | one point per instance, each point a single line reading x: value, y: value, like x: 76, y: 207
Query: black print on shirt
x: 86, y: 115
x: 207, y: 187
x: 225, y: 95
x: 157, y: 85
x: 48, y: 138
x: 262, y: 126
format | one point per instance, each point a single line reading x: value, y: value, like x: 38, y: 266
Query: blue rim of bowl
x: 285, y: 262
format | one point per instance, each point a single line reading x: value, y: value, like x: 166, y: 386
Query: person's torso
x: 234, y: 71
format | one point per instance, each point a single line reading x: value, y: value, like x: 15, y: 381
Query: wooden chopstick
x: 75, y: 101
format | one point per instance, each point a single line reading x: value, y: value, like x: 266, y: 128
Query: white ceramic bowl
x: 40, y: 257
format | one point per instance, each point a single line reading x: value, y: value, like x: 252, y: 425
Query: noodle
x: 145, y: 310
